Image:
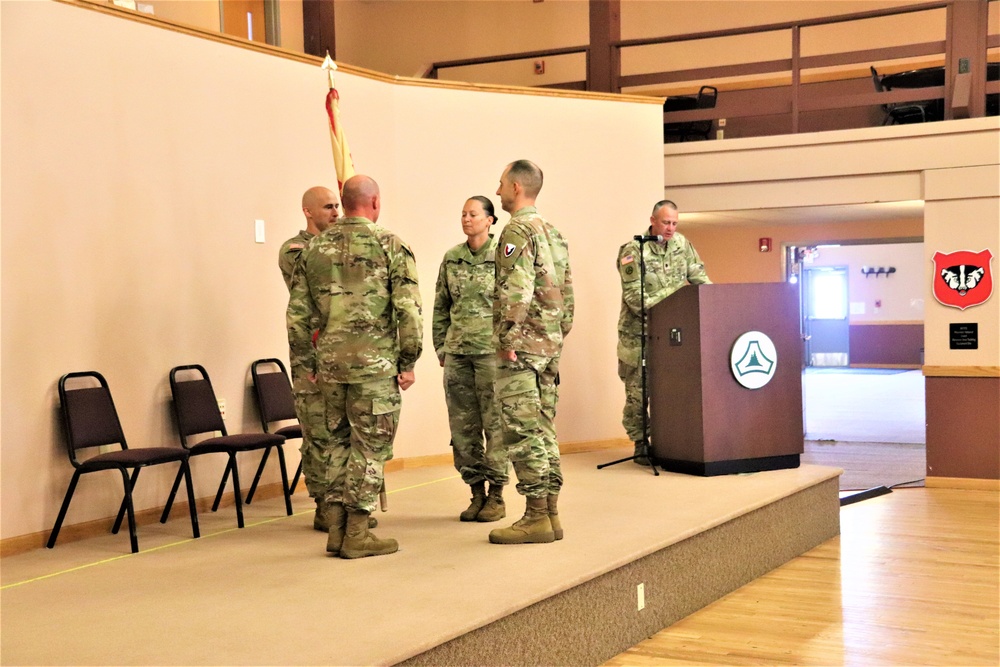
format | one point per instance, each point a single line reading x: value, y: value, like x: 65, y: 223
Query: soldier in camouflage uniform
x: 532, y: 314
x: 463, y: 340
x: 360, y: 281
x: 669, y: 266
x: 320, y: 207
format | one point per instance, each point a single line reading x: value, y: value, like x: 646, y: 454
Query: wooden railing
x: 792, y: 96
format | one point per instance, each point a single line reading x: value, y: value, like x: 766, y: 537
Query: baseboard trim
x: 11, y: 546
x: 966, y: 483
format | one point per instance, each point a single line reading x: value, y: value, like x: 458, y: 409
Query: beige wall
x: 129, y: 194
x: 900, y: 294
x: 424, y: 31
x: 731, y: 253
x: 963, y: 213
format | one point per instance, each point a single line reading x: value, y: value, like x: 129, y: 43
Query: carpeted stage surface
x: 269, y: 595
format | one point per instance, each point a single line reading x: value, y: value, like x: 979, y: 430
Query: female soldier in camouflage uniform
x: 462, y: 331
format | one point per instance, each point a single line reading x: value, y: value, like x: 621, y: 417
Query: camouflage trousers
x: 360, y: 424
x: 472, y: 413
x: 632, y: 413
x: 311, y: 410
x: 527, y: 392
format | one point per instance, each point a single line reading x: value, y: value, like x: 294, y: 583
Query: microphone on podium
x: 651, y: 237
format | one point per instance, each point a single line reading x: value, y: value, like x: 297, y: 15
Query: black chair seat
x: 132, y: 458
x: 240, y: 442
x: 290, y: 432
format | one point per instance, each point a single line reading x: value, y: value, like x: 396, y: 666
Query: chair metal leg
x: 256, y: 478
x: 131, y: 511
x: 170, y: 500
x: 186, y: 471
x: 121, y: 509
x: 236, y: 489
x: 295, y: 478
x: 284, y: 480
x: 222, y: 484
x: 166, y: 510
x: 62, y: 510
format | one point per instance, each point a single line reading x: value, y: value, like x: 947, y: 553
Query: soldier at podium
x: 671, y: 262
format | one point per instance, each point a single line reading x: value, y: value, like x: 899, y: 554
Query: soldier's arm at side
x: 441, y: 317
x: 301, y: 311
x: 515, y: 288
x: 407, y: 306
x: 569, y: 302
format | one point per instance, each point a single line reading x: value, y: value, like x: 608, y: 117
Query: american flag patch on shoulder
x: 627, y: 259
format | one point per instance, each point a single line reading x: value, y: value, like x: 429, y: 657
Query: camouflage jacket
x: 360, y: 280
x: 669, y: 267
x: 533, y: 297
x: 289, y: 254
x: 463, y: 301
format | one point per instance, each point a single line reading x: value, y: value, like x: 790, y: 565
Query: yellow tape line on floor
x: 192, y: 539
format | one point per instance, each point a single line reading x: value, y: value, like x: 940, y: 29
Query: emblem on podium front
x: 753, y: 359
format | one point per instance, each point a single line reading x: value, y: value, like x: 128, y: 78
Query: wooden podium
x: 702, y: 420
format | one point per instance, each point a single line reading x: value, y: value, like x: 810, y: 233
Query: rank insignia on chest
x: 509, y: 249
x: 627, y: 259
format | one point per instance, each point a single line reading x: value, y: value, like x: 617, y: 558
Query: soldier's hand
x: 441, y: 361
x: 509, y: 355
x: 406, y: 380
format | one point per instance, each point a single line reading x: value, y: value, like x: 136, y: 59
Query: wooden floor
x: 913, y: 579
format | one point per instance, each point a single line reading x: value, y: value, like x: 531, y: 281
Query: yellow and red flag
x: 342, y: 159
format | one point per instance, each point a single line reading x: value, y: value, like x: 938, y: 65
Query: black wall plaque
x: 964, y: 335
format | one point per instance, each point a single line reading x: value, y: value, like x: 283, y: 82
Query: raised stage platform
x: 268, y: 594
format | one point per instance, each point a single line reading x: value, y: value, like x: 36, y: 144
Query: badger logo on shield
x: 963, y: 279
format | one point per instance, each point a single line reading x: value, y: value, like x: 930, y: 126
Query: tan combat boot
x: 553, y: 499
x: 534, y: 527
x: 494, y: 509
x: 320, y: 522
x: 359, y: 542
x: 336, y: 517
x: 478, y: 500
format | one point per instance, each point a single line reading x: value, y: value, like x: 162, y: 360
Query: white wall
x: 133, y: 172
x: 900, y: 294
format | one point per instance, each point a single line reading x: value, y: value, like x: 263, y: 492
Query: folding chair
x: 197, y: 413
x: 275, y: 403
x: 91, y: 420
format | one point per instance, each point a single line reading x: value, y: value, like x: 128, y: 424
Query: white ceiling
x: 874, y: 212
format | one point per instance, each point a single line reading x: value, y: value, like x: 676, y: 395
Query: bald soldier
x: 669, y: 265
x: 359, y: 282
x: 532, y: 314
x: 320, y: 206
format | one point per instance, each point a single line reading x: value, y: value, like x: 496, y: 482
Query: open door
x: 825, y: 322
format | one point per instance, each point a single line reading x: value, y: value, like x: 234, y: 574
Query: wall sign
x: 753, y: 359
x: 963, y: 335
x: 963, y: 279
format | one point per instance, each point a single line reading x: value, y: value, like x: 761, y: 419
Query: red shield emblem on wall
x: 963, y: 279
